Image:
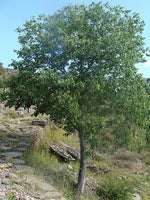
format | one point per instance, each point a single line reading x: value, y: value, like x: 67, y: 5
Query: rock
x: 26, y: 128
x: 4, y: 148
x: 124, y: 177
x: 23, y: 169
x: 22, y: 149
x: 11, y: 175
x: 69, y: 167
x: 5, y: 166
x: 136, y: 197
x: 25, y: 187
x: 92, y: 183
x: 40, y: 121
x: 50, y: 195
x: 95, y: 169
x: 18, y: 181
x: 45, y: 186
x: 23, y: 143
x: 18, y: 161
x: 13, y: 154
x: 5, y: 181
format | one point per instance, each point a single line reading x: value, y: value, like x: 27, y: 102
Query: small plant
x: 116, y: 190
x: 12, y: 114
x: 11, y: 196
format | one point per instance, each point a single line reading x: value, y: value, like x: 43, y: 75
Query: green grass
x: 115, y: 189
x: 110, y: 185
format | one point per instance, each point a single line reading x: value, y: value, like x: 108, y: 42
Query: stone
x: 26, y: 128
x: 5, y: 148
x: 10, y: 140
x: 22, y: 149
x: 2, y: 186
x: 4, y: 166
x: 32, y: 181
x: 18, y: 181
x: 69, y: 167
x: 13, y: 154
x: 11, y: 175
x: 92, y: 183
x: 95, y: 169
x: 18, y: 161
x: 136, y: 197
x: 45, y: 186
x: 124, y: 177
x: 5, y: 181
x: 50, y: 195
x: 23, y: 143
x: 40, y: 122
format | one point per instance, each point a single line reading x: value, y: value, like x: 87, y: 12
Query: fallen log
x: 61, y: 152
x: 65, y: 151
x: 72, y: 151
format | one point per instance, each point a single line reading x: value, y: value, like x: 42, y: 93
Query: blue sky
x: 13, y: 13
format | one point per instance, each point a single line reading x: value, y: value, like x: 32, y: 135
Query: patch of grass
x: 49, y: 166
x: 56, y: 134
x: 114, y: 189
x: 116, y: 184
x: 12, y: 114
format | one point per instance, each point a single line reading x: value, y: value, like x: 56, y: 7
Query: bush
x: 116, y: 190
x: 12, y: 114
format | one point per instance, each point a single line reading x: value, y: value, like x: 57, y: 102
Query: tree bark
x: 82, y: 171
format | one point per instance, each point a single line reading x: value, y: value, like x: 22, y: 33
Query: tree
x: 20, y: 93
x: 82, y: 63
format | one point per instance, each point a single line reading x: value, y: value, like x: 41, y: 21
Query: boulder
x: 40, y: 121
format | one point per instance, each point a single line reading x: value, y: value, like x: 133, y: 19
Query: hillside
x: 26, y: 161
x: 6, y: 72
x: 19, y: 181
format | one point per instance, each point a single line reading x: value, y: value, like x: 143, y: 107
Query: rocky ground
x: 17, y: 180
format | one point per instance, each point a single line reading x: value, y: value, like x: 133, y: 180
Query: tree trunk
x: 82, y: 171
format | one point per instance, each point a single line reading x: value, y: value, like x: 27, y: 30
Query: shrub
x: 12, y: 114
x: 116, y: 190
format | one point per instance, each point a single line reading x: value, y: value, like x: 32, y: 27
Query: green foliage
x: 116, y: 190
x: 129, y: 136
x: 72, y: 69
x: 11, y: 196
x: 21, y: 90
x: 78, y: 67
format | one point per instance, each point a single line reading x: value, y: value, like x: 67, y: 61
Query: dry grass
x: 122, y: 165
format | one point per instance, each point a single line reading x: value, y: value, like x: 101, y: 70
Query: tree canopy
x: 80, y: 65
